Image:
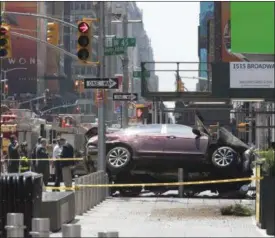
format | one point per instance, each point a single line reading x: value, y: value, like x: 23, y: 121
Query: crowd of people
x: 38, y: 160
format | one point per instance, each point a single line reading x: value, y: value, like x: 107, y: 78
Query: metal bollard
x: 86, y: 189
x: 112, y: 234
x: 71, y: 230
x: 40, y: 227
x: 15, y: 225
x: 97, y: 189
x: 106, y: 189
x: 77, y: 197
x: 90, y: 192
x: 82, y: 198
x: 180, y: 179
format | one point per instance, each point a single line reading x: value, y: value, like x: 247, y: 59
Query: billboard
x: 252, y: 75
x: 206, y: 13
x: 252, y: 27
x: 21, y: 68
x: 226, y: 54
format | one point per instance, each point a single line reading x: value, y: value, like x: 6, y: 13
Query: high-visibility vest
x: 24, y: 164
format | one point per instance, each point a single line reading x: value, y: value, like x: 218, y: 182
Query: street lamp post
x: 125, y: 61
x: 4, y: 78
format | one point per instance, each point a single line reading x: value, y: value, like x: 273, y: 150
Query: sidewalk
x: 166, y: 217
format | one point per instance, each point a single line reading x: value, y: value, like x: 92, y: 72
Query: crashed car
x: 154, y: 152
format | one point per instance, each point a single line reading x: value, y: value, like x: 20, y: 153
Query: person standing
x: 43, y: 165
x: 25, y: 164
x: 55, y: 164
x: 33, y: 155
x: 66, y: 166
x: 14, y: 156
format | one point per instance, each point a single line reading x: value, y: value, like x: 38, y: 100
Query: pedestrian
x: 33, y: 155
x: 66, y: 166
x: 13, y: 154
x: 56, y: 155
x: 43, y: 165
x: 25, y: 164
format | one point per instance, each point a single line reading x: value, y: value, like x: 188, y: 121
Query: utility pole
x: 101, y: 163
x: 125, y: 65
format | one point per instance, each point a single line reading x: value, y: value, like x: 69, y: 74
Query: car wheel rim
x: 118, y: 157
x: 223, y: 157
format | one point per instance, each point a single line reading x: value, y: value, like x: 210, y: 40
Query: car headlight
x: 91, y: 148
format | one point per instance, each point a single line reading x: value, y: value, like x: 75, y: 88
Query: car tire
x: 118, y: 158
x: 224, y: 157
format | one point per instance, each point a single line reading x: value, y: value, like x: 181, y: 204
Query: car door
x: 181, y: 142
x: 150, y: 141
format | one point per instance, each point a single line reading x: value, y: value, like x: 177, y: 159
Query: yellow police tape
x: 50, y: 159
x: 77, y: 187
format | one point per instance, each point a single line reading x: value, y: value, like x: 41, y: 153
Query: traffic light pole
x: 101, y: 163
x: 125, y: 66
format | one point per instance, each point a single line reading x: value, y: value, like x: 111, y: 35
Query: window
x: 144, y: 129
x: 89, y: 5
x: 174, y: 129
x: 77, y: 6
x: 82, y: 6
x: 82, y: 70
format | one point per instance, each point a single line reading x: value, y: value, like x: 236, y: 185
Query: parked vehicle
x: 154, y: 152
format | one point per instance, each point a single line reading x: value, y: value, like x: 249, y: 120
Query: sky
x: 173, y: 29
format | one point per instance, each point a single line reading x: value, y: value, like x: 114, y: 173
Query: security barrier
x: 265, y: 201
x: 19, y: 193
x: 41, y: 228
x: 88, y: 197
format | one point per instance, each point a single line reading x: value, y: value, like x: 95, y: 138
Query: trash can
x: 20, y: 193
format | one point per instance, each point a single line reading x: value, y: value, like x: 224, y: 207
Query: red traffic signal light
x: 3, y: 31
x: 83, y: 27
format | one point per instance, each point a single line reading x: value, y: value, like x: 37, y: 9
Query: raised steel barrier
x: 41, y: 228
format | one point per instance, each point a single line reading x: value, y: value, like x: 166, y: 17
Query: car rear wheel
x: 224, y: 157
x: 118, y: 158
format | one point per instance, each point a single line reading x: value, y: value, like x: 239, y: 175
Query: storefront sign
x: 252, y: 75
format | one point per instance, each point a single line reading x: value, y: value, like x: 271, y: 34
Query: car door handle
x: 171, y: 137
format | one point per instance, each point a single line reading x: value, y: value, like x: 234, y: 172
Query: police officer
x: 14, y: 155
x: 43, y: 165
x: 25, y: 164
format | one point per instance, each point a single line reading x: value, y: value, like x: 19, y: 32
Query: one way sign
x: 125, y: 96
x: 107, y: 83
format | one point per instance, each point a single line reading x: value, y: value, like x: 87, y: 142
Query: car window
x: 144, y: 129
x: 174, y: 129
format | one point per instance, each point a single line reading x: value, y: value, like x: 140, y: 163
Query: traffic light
x: 53, y: 33
x: 6, y: 89
x: 5, y: 41
x: 83, y: 40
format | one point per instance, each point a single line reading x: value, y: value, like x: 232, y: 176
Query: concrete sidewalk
x: 166, y: 217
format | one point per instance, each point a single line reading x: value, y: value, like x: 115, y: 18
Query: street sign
x: 124, y: 42
x: 104, y: 83
x: 137, y: 74
x: 114, y: 50
x: 125, y: 96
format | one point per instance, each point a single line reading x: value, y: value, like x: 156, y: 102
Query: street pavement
x: 166, y: 217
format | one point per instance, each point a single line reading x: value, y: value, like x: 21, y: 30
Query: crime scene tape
x: 77, y: 187
x: 50, y: 159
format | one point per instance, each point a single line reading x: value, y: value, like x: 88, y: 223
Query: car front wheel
x: 224, y: 157
x: 118, y: 158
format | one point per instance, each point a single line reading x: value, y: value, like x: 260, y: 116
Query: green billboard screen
x: 252, y: 27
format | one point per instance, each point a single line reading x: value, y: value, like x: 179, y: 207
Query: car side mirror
x: 196, y: 131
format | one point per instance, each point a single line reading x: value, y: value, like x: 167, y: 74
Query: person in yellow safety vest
x: 25, y: 164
